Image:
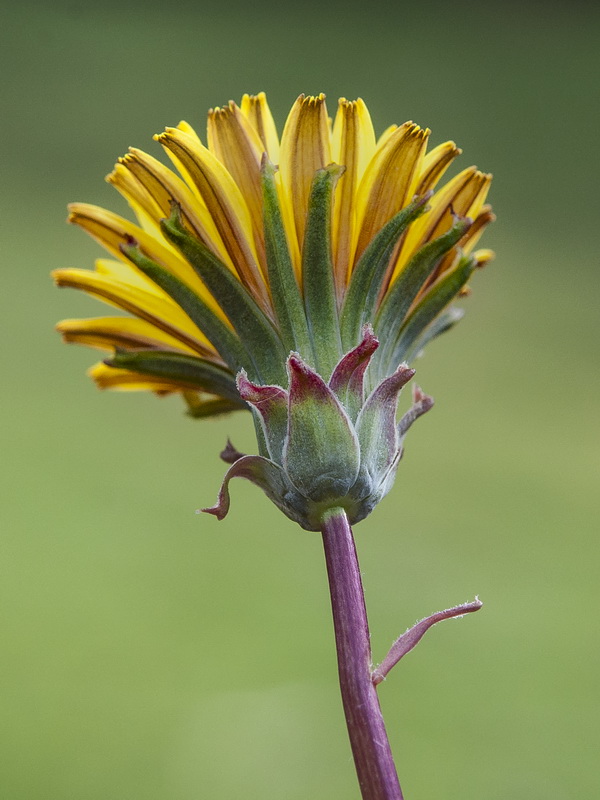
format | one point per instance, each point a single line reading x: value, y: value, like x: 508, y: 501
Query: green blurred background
x: 151, y: 653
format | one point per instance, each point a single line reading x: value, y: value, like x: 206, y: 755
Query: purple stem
x: 370, y: 747
x: 405, y: 643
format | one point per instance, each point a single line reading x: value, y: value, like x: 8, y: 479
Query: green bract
x: 320, y: 453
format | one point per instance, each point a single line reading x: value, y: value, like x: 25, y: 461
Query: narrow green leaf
x: 317, y: 273
x: 367, y: 278
x: 443, y: 291
x: 285, y: 292
x: 191, y: 370
x: 403, y: 291
x: 252, y: 325
x: 222, y: 338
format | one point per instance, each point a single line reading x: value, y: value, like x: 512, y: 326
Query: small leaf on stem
x: 405, y: 643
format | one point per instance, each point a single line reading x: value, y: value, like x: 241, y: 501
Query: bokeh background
x: 151, y: 653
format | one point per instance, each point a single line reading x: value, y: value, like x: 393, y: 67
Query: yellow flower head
x: 258, y: 246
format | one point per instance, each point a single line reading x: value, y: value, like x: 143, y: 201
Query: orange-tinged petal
x: 435, y: 163
x: 389, y: 181
x: 161, y: 312
x: 107, y: 333
x: 225, y: 204
x: 305, y: 148
x: 258, y: 114
x: 238, y: 147
x: 353, y: 147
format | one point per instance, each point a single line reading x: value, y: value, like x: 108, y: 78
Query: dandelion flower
x: 330, y: 245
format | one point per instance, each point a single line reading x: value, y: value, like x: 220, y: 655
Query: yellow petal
x: 469, y: 240
x: 473, y: 235
x: 386, y: 135
x: 187, y: 128
x: 112, y: 231
x: 163, y: 186
x: 435, y: 164
x: 125, y: 272
x: 484, y: 256
x: 106, y: 377
x: 107, y: 333
x: 389, y: 181
x: 305, y: 148
x: 143, y: 205
x: 258, y: 114
x: 237, y: 146
x: 225, y: 204
x: 353, y: 146
x: 463, y: 195
x: 161, y: 312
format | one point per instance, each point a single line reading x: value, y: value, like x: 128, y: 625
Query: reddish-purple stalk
x: 373, y: 758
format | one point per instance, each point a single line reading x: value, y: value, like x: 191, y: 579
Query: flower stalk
x: 373, y: 758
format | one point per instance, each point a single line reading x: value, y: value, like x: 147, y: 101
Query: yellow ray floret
x: 159, y: 311
x: 305, y: 148
x: 128, y: 381
x: 109, y: 333
x: 353, y: 146
x: 225, y: 203
x: 389, y: 180
x: 258, y: 114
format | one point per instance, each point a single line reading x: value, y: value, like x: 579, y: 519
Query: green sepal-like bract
x: 376, y: 427
x: 261, y: 339
x: 223, y: 339
x: 405, y: 288
x: 366, y: 283
x: 191, y: 370
x: 441, y: 293
x: 321, y: 453
x: 446, y: 320
x: 320, y: 457
x: 285, y: 292
x: 348, y: 379
x: 317, y: 272
x: 269, y: 477
x: 270, y: 404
